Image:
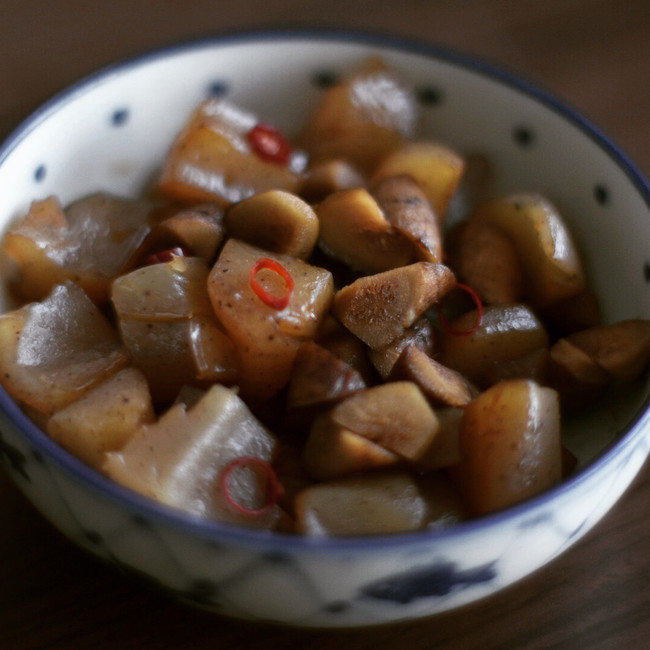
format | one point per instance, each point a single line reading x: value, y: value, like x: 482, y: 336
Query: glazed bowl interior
x: 110, y: 132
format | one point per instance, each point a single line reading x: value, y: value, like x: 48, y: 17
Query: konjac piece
x: 167, y: 324
x: 372, y: 504
x: 54, y: 351
x: 213, y: 158
x: 180, y: 459
x: 94, y: 239
x: 267, y: 338
x: 104, y: 418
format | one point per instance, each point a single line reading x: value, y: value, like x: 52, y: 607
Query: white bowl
x: 111, y: 131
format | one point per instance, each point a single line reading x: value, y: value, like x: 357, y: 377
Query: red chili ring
x: 479, y: 313
x: 273, y: 486
x: 275, y: 302
x: 269, y: 144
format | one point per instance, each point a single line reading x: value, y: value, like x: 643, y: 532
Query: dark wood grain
x: 595, y: 54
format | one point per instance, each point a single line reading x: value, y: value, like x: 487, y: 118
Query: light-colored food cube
x: 53, y: 352
x: 378, y: 503
x: 104, y: 418
x: 180, y: 459
x: 96, y: 238
x: 510, y: 445
x: 333, y: 451
x: 486, y: 258
x: 506, y: 332
x: 395, y: 416
x: 436, y: 168
x: 266, y: 338
x: 318, y: 377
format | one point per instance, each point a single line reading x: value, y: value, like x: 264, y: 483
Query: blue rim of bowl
x: 210, y: 530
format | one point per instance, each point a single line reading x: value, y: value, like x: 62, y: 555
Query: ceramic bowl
x: 111, y: 131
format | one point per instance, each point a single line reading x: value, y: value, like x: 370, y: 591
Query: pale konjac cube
x: 90, y: 242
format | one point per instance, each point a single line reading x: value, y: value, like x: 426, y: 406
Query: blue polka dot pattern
x: 39, y: 173
x: 325, y: 79
x: 218, y: 88
x: 524, y: 136
x: 429, y: 95
x: 120, y: 117
x: 601, y: 194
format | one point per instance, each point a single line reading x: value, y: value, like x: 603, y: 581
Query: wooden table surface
x: 595, y: 54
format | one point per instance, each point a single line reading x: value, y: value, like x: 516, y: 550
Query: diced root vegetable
x: 355, y: 230
x: 622, y: 349
x: 180, y: 458
x: 366, y: 505
x: 551, y: 262
x: 333, y: 451
x: 436, y: 168
x: 212, y: 159
x: 379, y: 308
x: 486, y: 259
x: 408, y: 209
x: 327, y: 177
x: 53, y: 352
x: 442, y: 385
x: 510, y: 445
x: 104, y: 418
x: 361, y: 119
x: 198, y: 229
x: 395, y: 416
x: 506, y: 332
x: 266, y: 340
x: 276, y: 221
x: 318, y: 377
x: 420, y: 335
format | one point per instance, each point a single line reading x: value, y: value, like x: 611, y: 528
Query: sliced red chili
x: 273, y: 487
x: 269, y: 144
x: 446, y: 325
x: 278, y: 302
x: 165, y: 256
